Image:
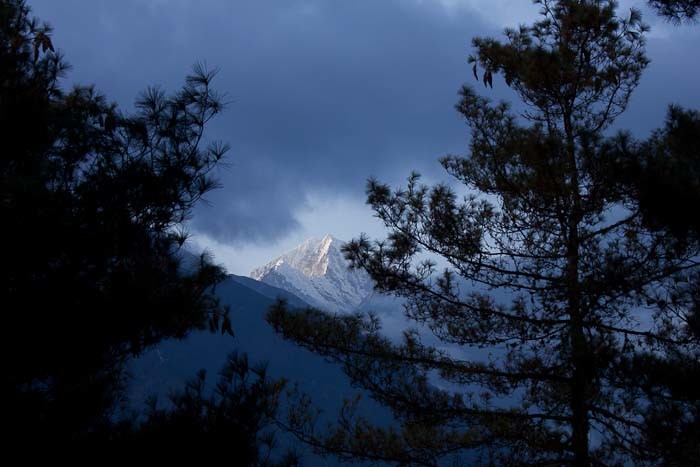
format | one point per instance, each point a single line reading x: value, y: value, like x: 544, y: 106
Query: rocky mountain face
x: 317, y: 272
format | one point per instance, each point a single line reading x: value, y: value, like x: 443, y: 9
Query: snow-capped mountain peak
x: 318, y: 273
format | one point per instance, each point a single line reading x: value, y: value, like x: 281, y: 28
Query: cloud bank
x: 323, y: 93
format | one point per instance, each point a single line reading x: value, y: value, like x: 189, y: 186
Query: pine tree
x: 662, y: 176
x: 557, y: 290
x: 677, y: 10
x: 93, y: 203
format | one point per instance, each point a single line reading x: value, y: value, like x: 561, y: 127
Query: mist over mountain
x: 317, y: 272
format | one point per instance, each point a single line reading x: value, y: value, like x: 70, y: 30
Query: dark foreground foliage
x: 238, y: 413
x: 677, y: 10
x: 93, y: 203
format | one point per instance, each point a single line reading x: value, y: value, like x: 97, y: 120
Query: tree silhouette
x: 557, y: 290
x: 677, y: 10
x: 239, y: 413
x: 93, y: 203
x: 662, y: 176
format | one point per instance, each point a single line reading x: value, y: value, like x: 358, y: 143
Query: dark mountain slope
x: 167, y: 367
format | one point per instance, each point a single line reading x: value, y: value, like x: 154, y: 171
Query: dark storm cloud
x: 325, y: 93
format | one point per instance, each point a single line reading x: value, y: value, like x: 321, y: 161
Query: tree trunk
x: 579, y: 396
x: 579, y: 347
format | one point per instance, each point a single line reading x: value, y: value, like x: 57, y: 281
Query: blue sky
x: 324, y: 94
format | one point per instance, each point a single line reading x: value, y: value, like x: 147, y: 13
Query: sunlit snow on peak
x: 318, y: 273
